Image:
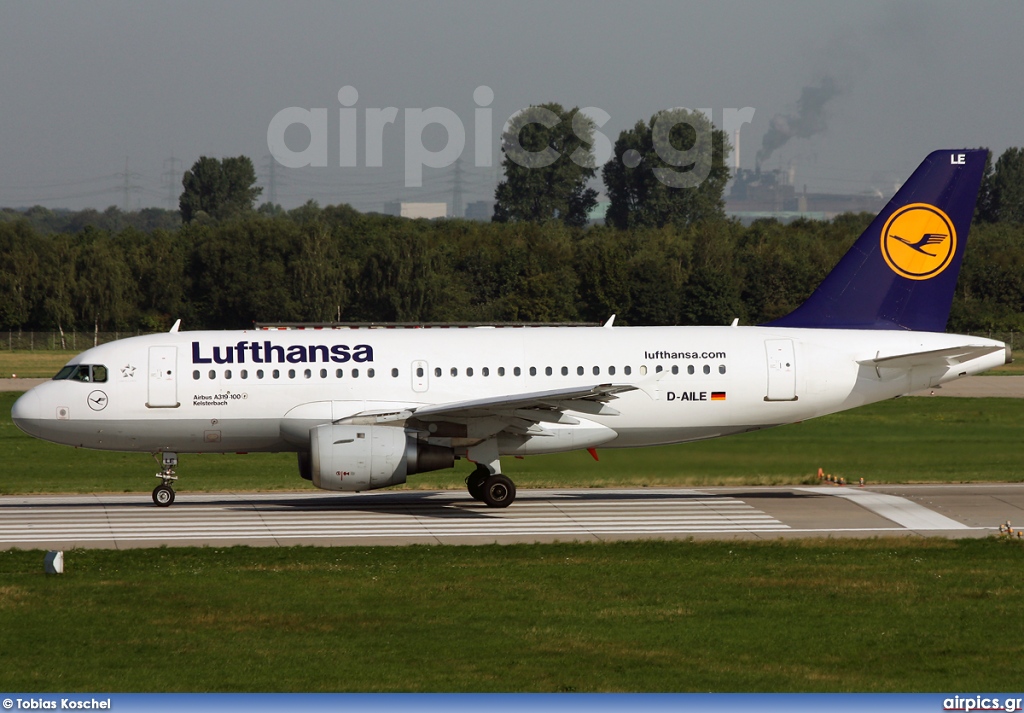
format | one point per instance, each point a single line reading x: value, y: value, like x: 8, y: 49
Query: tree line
x: 333, y: 263
x: 668, y: 254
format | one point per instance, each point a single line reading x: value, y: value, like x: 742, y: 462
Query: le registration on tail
x: 365, y: 408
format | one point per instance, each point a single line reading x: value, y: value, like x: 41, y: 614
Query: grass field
x: 33, y: 364
x: 882, y: 615
x: 1014, y: 369
x: 906, y: 440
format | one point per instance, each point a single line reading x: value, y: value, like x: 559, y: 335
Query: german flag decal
x: 718, y: 396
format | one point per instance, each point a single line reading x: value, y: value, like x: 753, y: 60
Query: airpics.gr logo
x: 918, y: 241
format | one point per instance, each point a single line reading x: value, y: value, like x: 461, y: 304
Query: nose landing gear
x: 163, y: 494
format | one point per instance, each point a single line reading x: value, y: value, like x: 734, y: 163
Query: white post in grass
x: 54, y: 562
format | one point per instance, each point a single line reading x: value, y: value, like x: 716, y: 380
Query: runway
x: 452, y: 517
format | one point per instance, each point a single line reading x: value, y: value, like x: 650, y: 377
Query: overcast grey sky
x: 86, y: 85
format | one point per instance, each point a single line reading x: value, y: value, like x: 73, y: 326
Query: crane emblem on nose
x: 97, y: 400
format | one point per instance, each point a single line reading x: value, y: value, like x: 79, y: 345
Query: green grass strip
x: 877, y: 615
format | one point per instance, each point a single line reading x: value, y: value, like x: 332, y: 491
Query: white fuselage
x: 263, y: 390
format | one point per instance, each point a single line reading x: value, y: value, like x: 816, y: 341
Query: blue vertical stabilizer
x: 901, y: 272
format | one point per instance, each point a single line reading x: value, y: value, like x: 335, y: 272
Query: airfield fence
x: 51, y: 341
x: 79, y: 341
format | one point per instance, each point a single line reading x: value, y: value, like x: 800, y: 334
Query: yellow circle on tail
x: 918, y: 241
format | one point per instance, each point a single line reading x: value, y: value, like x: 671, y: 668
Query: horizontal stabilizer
x: 936, y: 357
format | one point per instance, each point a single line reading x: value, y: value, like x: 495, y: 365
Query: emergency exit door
x: 420, y: 376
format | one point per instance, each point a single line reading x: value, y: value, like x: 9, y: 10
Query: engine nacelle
x: 369, y: 457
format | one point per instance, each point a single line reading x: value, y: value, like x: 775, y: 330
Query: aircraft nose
x: 27, y: 408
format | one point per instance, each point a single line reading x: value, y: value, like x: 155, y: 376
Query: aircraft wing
x: 591, y: 399
x: 516, y: 413
x: 936, y: 357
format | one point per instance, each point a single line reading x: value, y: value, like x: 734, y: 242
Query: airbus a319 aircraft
x: 365, y: 408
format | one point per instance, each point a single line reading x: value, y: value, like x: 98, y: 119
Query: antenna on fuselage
x: 174, y: 329
x: 608, y: 324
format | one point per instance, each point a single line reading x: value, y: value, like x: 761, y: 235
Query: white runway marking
x: 900, y: 510
x: 444, y: 516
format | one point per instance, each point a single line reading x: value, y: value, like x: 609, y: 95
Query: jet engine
x: 367, y: 457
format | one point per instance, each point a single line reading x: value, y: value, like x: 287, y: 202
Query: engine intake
x: 367, y: 457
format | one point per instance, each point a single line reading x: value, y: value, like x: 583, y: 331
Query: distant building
x: 480, y: 210
x: 596, y: 216
x: 416, y: 210
x: 770, y: 194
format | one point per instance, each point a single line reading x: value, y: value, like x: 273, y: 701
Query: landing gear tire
x: 475, y: 483
x: 163, y: 495
x: 498, y: 491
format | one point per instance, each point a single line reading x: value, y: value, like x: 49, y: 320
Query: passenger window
x: 355, y: 373
x: 276, y: 373
x: 455, y: 371
x: 419, y: 372
x: 339, y: 373
x: 627, y: 370
x: 195, y: 375
x: 611, y: 371
x: 394, y: 373
x: 707, y: 368
x: 547, y: 371
x: 259, y: 373
x: 533, y: 371
x: 658, y: 369
x: 597, y: 371
x: 643, y: 370
x: 227, y: 373
x: 323, y: 373
x: 244, y: 374
x: 291, y: 373
x: 370, y: 373
x: 579, y: 371
x: 437, y: 371
x: 308, y: 373
x: 485, y: 371
x: 721, y: 369
x: 517, y: 371
x: 565, y: 371
x: 675, y: 368
x: 469, y: 371
x: 213, y: 374
x: 501, y: 371
x: 689, y: 369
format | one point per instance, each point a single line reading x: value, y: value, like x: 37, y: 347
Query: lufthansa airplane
x: 366, y: 407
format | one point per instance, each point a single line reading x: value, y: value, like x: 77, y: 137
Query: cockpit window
x: 82, y: 372
x: 65, y: 372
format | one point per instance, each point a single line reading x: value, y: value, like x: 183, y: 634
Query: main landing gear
x: 163, y: 494
x: 495, y: 489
